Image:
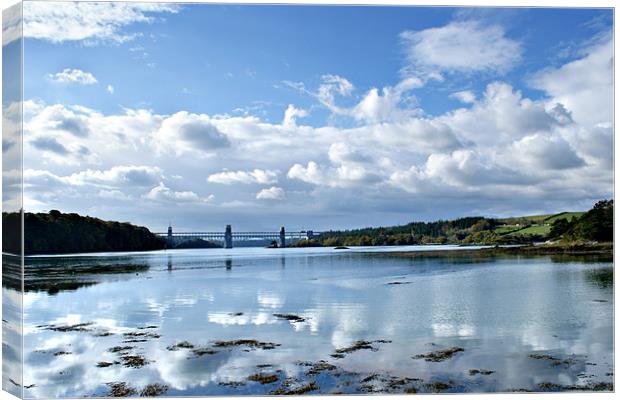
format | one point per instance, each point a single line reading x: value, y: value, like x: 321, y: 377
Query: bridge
x: 228, y: 236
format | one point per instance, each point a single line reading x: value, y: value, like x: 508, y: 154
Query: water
x: 530, y: 320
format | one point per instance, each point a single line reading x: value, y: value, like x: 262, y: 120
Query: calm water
x: 530, y: 320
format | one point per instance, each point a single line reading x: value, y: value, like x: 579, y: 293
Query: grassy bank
x: 573, y: 249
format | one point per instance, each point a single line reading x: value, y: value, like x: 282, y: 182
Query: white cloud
x: 184, y: 132
x: 291, y: 114
x: 110, y: 89
x: 122, y: 175
x: 163, y: 193
x: 311, y: 173
x: 73, y: 75
x: 546, y: 152
x: 461, y: 47
x: 259, y: 176
x: 331, y: 86
x: 464, y: 96
x: 91, y: 22
x: 584, y: 86
x: 273, y: 193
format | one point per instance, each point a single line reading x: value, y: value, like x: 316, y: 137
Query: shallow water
x: 529, y: 320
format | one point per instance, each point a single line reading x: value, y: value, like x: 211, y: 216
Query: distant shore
x: 591, y: 249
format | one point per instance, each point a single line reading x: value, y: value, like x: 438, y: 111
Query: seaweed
x: 246, y: 342
x: 290, y: 317
x: 439, y: 355
x: 153, y: 390
x: 180, y: 345
x: 134, y: 361
x: 120, y: 389
x: 264, y: 379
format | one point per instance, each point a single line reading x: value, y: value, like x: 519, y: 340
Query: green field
x: 532, y: 224
x: 564, y: 215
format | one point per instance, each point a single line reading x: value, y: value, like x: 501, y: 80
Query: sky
x: 311, y: 117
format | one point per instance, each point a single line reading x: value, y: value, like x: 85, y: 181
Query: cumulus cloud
x: 73, y: 75
x: 185, y: 132
x: 583, y: 86
x: 259, y: 176
x: 291, y: 114
x: 49, y: 144
x: 122, y: 175
x: 163, y: 193
x: 391, y: 104
x: 461, y: 47
x: 464, y: 96
x: 89, y: 22
x: 273, y: 193
x: 110, y: 89
x: 547, y: 152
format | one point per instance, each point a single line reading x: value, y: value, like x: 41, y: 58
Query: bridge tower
x: 228, y: 240
x: 282, y: 237
x: 309, y: 235
x: 169, y: 239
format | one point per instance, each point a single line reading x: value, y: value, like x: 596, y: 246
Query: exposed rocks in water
x: 141, y: 335
x: 105, y: 364
x: 264, y: 366
x: 480, y: 371
x: 120, y: 389
x: 153, y: 390
x: 83, y: 327
x: 148, y: 327
x: 591, y: 387
x: 246, y: 342
x: 120, y: 349
x: 359, y: 345
x: 233, y: 384
x: 440, y: 355
x: 180, y: 345
x: 264, y: 379
x: 398, y: 283
x: 134, y: 361
x: 201, y: 351
x: 341, y: 248
x: 319, y: 367
x: 285, y: 389
x: 103, y: 334
x: 290, y: 317
x: 437, y: 387
x: 554, y: 360
x: 62, y: 353
x: 235, y: 314
x: 370, y: 377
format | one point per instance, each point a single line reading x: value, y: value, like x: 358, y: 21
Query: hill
x: 481, y: 230
x: 56, y: 232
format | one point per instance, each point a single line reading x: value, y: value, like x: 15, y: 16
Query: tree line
x: 55, y: 232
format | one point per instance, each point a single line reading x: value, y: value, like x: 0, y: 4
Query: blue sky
x: 152, y: 113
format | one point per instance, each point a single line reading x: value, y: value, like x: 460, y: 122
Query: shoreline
x: 598, y: 249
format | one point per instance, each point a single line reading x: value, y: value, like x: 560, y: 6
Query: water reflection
x: 500, y: 312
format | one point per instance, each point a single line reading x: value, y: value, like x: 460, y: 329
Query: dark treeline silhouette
x: 56, y: 232
x: 595, y: 225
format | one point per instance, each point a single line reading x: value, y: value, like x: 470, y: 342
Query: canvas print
x: 232, y: 199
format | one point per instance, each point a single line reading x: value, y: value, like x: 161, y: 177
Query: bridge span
x: 228, y: 236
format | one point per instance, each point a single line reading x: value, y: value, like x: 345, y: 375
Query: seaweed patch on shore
x: 439, y: 355
x: 359, y: 345
x: 251, y: 343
